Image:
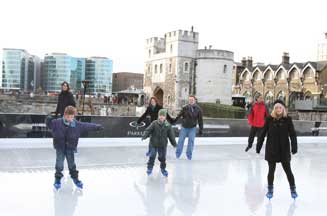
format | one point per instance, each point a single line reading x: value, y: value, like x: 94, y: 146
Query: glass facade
x: 99, y: 73
x: 14, y: 69
x: 58, y: 68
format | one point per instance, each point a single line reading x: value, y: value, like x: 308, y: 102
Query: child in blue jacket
x: 66, y: 132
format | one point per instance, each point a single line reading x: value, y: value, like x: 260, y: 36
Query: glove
x: 294, y: 151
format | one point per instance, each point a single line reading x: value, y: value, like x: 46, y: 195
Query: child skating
x: 279, y: 128
x: 159, y: 132
x: 66, y: 132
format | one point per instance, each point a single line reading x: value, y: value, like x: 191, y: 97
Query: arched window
x: 294, y: 74
x: 155, y: 68
x: 169, y: 100
x: 171, y: 48
x: 225, y: 68
x: 160, y: 68
x: 308, y: 73
x: 269, y: 75
x: 186, y: 67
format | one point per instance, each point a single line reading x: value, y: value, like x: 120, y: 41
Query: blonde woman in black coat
x: 280, y: 131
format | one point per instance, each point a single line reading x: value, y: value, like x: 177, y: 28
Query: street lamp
x: 85, y: 85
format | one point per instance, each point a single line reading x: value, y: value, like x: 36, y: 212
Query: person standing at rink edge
x: 256, y: 119
x: 280, y: 130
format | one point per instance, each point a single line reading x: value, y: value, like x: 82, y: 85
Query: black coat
x: 279, y: 133
x: 191, y: 117
x: 153, y: 113
x: 65, y: 99
x: 159, y: 134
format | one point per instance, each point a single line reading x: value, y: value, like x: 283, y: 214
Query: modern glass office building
x: 99, y: 73
x: 15, y: 69
x: 60, y: 67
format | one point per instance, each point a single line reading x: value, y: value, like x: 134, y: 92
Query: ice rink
x: 221, y: 180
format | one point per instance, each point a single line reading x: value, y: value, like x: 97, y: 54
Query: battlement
x: 173, y: 36
x: 214, y: 53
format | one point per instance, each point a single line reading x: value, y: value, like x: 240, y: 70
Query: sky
x: 263, y: 29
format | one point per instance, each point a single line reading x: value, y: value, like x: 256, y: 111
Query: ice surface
x: 221, y: 180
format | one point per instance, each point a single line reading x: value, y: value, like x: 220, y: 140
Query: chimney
x: 243, y: 62
x: 286, y: 58
x: 249, y: 62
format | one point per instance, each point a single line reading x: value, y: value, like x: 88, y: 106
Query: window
x: 160, y: 68
x: 170, y: 68
x: 155, y: 69
x: 171, y: 48
x: 149, y: 53
x: 225, y: 68
x: 186, y: 67
x: 149, y: 70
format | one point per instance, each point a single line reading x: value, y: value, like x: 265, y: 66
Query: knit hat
x: 163, y: 112
x: 280, y: 102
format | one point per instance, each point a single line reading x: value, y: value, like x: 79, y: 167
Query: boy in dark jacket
x: 66, y: 132
x: 280, y: 131
x: 152, y: 110
x: 159, y: 132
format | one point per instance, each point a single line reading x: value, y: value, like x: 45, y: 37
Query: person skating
x: 152, y: 111
x: 280, y: 130
x: 66, y: 132
x: 256, y: 119
x: 65, y: 98
x: 191, y: 115
x: 159, y: 132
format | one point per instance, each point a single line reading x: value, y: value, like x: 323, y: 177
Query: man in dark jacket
x: 159, y: 132
x: 191, y: 115
x: 66, y: 132
x: 256, y: 119
x: 65, y: 98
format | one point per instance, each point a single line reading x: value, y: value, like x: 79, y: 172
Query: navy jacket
x: 66, y: 136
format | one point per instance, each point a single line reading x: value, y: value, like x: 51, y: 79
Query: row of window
x: 185, y: 68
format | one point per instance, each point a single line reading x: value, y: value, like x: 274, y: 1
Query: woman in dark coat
x: 65, y: 99
x: 152, y: 110
x: 280, y: 130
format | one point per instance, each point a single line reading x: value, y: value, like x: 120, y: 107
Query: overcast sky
x: 118, y: 29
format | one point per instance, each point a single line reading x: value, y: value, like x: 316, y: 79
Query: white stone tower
x: 169, y: 64
x: 213, y: 76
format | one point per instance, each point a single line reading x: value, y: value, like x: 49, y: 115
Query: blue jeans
x: 186, y: 132
x: 162, y: 152
x: 60, y: 158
